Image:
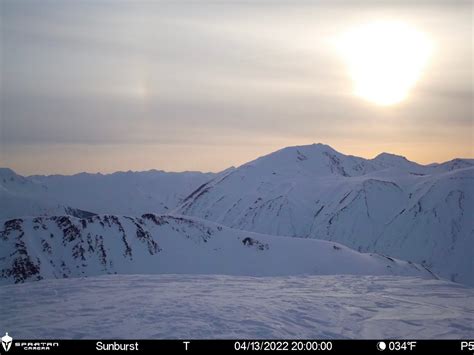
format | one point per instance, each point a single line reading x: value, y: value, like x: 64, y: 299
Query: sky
x: 102, y: 86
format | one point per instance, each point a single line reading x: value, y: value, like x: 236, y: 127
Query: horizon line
x: 234, y: 166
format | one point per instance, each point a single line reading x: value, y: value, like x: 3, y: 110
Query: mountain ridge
x: 121, y: 192
x: 65, y: 246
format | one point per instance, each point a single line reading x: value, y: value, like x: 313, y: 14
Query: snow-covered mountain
x: 65, y: 246
x: 19, y: 196
x: 129, y: 193
x: 387, y: 204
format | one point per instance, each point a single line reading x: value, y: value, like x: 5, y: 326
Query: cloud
x: 190, y: 73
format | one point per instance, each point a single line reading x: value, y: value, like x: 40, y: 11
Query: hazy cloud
x: 190, y: 73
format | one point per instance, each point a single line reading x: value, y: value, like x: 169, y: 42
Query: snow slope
x: 387, y: 204
x: 213, y: 306
x: 64, y: 246
x: 127, y: 193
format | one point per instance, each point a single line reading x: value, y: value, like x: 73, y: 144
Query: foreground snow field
x: 207, y: 306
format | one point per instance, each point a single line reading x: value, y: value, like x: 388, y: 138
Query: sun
x: 385, y: 60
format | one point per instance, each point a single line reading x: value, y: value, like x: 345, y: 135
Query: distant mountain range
x: 128, y: 193
x: 388, y: 205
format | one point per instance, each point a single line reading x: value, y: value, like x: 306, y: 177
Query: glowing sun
x: 385, y: 60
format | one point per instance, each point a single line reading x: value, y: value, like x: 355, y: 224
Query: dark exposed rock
x: 156, y: 219
x: 253, y: 242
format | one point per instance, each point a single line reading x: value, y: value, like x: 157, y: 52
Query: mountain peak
x: 390, y: 156
x: 457, y: 163
x: 315, y: 159
x: 7, y: 172
x: 320, y: 147
x: 309, y: 150
x: 388, y: 160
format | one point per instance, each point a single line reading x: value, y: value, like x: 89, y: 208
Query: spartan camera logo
x: 7, y: 342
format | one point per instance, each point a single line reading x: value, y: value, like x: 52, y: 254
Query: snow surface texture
x: 129, y: 193
x: 213, y: 306
x: 62, y: 247
x: 387, y: 204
